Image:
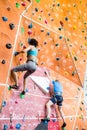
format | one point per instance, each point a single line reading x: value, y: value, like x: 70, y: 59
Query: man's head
x: 33, y: 42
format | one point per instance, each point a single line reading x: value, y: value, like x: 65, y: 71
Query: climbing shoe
x: 22, y: 94
x: 46, y: 119
x: 64, y: 125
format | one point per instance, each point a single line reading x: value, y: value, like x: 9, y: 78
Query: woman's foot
x: 14, y: 86
x: 64, y: 125
x: 22, y: 94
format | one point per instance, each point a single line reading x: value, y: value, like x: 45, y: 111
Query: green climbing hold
x: 22, y: 95
x: 21, y: 44
x: 22, y: 30
x: 17, y: 5
x: 9, y: 88
x: 37, y: 1
x: 64, y: 128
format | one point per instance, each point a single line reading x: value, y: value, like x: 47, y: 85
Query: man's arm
x: 50, y: 84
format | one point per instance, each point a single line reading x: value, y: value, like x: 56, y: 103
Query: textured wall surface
x: 61, y: 30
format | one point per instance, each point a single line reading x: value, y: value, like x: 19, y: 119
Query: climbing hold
x: 9, y: 88
x: 24, y: 47
x: 37, y: 1
x: 85, y: 43
x: 12, y: 26
x: 60, y: 29
x: 56, y: 44
x: 22, y: 95
x: 66, y: 18
x: 36, y: 9
x: 18, y: 126
x: 26, y: 90
x: 21, y: 44
x: 16, y: 53
x: 45, y: 42
x: 3, y: 62
x: 8, y: 8
x: 60, y: 37
x: 64, y: 128
x: 82, y: 103
x: 85, y: 37
x: 68, y: 56
x: 68, y: 39
x: 61, y: 23
x: 30, y: 26
x: 80, y: 108
x: 73, y: 73
x: 3, y: 103
x: 79, y: 89
x: 74, y: 27
x: 58, y: 4
x: 45, y: 21
x: 39, y: 18
x: 23, y: 3
x: 85, y: 52
x: 57, y: 58
x: 5, y: 127
x: 11, y: 126
x: 30, y: 32
x: 8, y: 45
x: 42, y: 30
x: 29, y: 39
x: 22, y: 30
x: 52, y: 19
x: 75, y: 58
x: 4, y: 19
x: 17, y: 5
x: 48, y: 33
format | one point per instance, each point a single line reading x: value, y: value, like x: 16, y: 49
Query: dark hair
x: 56, y: 80
x: 33, y: 42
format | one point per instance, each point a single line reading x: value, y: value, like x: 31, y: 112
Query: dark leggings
x: 30, y: 67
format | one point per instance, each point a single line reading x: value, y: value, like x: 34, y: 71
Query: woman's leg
x: 15, y: 77
x: 14, y: 72
x: 25, y: 77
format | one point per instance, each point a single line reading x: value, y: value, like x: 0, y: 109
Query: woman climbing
x: 30, y: 66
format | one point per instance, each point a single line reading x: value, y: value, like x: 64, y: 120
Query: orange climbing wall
x: 61, y: 30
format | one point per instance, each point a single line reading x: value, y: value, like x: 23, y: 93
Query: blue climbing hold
x: 60, y: 37
x: 30, y: 26
x: 48, y: 33
x: 29, y: 39
x: 4, y: 19
x: 3, y: 103
x: 5, y: 127
x: 18, y: 126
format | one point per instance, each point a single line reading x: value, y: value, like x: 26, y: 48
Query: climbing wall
x: 61, y: 30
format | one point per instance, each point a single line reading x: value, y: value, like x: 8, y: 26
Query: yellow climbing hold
x: 68, y: 56
x: 85, y: 43
x: 85, y: 52
x: 74, y: 27
x: 66, y: 73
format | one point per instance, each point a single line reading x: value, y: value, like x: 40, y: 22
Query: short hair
x: 33, y: 42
